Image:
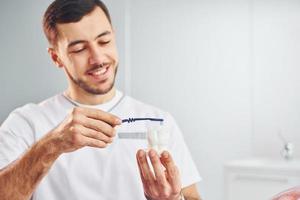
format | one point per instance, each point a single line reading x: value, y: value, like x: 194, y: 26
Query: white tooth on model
x: 158, y: 138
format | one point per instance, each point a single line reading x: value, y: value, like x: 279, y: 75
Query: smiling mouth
x: 98, y: 71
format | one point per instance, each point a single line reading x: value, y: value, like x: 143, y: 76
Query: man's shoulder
x: 55, y: 100
x: 35, y: 114
x: 32, y: 109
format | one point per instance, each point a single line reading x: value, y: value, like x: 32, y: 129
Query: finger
x: 79, y: 141
x: 91, y: 133
x: 172, y: 170
x: 101, y: 115
x: 146, y: 174
x: 94, y: 143
x: 158, y: 170
x: 147, y: 178
x: 99, y: 126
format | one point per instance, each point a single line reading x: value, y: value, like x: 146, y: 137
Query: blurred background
x: 227, y: 70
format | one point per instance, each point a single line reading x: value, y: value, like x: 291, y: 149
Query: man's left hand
x: 164, y: 183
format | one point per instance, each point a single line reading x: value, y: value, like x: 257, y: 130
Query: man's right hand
x: 85, y: 127
x: 82, y: 127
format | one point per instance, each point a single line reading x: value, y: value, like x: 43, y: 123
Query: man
x: 74, y: 145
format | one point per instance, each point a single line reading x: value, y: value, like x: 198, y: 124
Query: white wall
x: 192, y: 59
x: 26, y: 71
x: 276, y: 83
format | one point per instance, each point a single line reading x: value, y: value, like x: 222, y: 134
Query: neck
x: 83, y: 97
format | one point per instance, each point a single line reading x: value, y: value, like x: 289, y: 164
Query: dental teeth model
x: 158, y: 138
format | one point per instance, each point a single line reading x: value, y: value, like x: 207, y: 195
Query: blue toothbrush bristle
x: 130, y: 120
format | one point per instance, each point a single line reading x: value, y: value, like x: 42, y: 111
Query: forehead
x: 87, y: 28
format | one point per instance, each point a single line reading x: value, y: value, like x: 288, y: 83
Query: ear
x: 54, y: 56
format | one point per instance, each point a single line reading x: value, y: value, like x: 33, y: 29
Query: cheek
x: 114, y: 54
x: 113, y: 50
x: 79, y: 62
x: 75, y: 66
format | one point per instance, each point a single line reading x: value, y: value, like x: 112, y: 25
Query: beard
x: 89, y: 88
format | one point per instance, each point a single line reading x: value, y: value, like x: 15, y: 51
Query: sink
x: 260, y: 178
x: 266, y: 165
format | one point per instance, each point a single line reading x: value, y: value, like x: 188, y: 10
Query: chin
x: 103, y: 89
x: 97, y: 88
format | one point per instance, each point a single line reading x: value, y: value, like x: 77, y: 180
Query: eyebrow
x: 82, y: 41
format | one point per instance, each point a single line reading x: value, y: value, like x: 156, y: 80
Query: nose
x: 97, y: 55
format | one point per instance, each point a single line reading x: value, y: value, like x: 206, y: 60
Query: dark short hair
x: 67, y: 11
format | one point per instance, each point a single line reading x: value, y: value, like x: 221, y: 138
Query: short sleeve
x: 16, y: 136
x: 181, y: 155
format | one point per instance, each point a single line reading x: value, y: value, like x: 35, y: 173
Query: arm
x: 82, y: 127
x: 19, y: 179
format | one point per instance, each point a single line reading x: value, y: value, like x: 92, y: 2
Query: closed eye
x: 77, y: 50
x: 104, y: 42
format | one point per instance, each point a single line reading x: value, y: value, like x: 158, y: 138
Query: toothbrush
x: 130, y: 120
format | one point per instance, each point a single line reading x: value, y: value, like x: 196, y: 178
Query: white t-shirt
x: 92, y: 173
